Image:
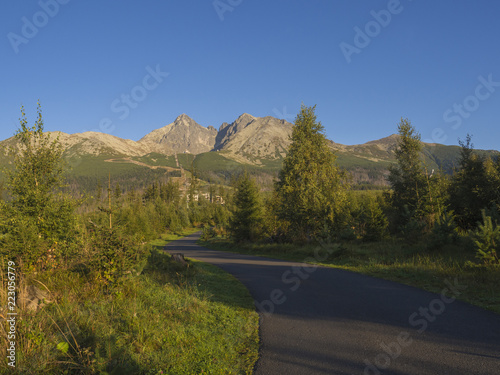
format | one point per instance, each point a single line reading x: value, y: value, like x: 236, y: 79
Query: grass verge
x: 394, y: 260
x: 170, y: 319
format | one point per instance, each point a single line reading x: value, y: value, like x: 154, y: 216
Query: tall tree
x: 414, y: 190
x: 474, y: 187
x: 311, y: 189
x: 407, y: 178
x: 246, y: 221
x: 170, y: 192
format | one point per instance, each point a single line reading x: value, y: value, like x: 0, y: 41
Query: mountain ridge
x: 256, y: 142
x: 185, y: 135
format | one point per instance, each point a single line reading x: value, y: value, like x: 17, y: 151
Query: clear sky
x: 128, y: 67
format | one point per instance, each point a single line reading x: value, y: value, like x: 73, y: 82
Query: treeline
x: 313, y: 198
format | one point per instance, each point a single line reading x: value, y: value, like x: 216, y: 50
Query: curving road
x: 319, y: 320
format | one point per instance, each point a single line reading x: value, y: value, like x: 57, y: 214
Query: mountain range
x: 259, y: 143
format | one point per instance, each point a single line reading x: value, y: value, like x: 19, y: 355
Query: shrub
x: 114, y: 257
x: 375, y: 222
x: 487, y: 240
x: 444, y: 231
x: 39, y: 224
x: 413, y: 228
x: 208, y: 233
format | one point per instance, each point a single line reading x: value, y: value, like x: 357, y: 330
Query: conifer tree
x: 416, y: 193
x: 407, y: 178
x: 246, y: 221
x: 474, y: 187
x: 311, y: 189
x: 118, y: 191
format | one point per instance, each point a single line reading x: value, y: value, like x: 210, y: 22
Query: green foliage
x: 63, y: 347
x: 22, y: 240
x: 38, y: 168
x: 113, y: 256
x: 374, y: 221
x: 82, y: 329
x: 417, y: 195
x: 487, y: 241
x: 412, y: 228
x: 38, y: 221
x: 170, y: 192
x: 311, y: 189
x: 474, y: 187
x: 246, y: 221
x: 444, y: 231
x: 169, y: 320
x: 275, y: 230
x: 208, y: 233
x: 118, y: 191
x: 407, y: 178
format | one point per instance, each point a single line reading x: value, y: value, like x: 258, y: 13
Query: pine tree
x: 246, y: 221
x: 99, y: 190
x: 474, y: 187
x: 407, y: 179
x: 311, y: 189
x: 118, y: 191
x: 487, y: 241
x: 416, y: 194
x: 170, y: 192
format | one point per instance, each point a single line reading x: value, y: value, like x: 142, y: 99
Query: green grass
x: 156, y: 159
x: 169, y: 320
x: 213, y: 161
x: 394, y: 260
x: 185, y: 160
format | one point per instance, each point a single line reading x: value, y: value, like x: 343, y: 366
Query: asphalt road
x: 318, y: 320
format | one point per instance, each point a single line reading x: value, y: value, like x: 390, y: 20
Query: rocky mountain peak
x: 255, y: 137
x: 184, y: 119
x: 245, y: 118
x: 183, y: 135
x: 227, y: 131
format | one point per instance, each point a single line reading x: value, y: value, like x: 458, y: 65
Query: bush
x: 39, y: 225
x: 413, y: 228
x: 375, y: 222
x: 208, y: 233
x: 444, y: 231
x: 487, y: 240
x: 114, y: 257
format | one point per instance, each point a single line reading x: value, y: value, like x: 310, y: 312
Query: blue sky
x: 129, y: 67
